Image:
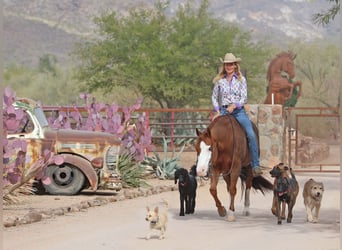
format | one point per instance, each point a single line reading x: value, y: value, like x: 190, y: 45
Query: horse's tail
x: 258, y: 183
x: 262, y: 184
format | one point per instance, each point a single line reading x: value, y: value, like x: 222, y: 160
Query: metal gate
x: 312, y: 139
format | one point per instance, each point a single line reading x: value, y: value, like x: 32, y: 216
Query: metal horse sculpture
x: 222, y: 149
x: 280, y: 87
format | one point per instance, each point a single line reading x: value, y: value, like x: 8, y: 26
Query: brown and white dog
x: 313, y: 194
x: 157, y: 220
x: 285, y: 190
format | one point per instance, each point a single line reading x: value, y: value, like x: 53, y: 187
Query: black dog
x: 187, y: 186
x: 285, y: 191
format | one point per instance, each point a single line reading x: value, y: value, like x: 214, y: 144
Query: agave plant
x: 131, y: 173
x: 163, y: 168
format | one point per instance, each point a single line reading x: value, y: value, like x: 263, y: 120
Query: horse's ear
x: 293, y: 56
x: 198, y: 132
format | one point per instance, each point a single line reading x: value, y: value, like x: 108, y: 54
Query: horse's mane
x: 282, y: 54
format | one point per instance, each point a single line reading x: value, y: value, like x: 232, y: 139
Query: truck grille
x: 112, y: 157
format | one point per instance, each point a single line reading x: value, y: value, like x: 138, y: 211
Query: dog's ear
x: 156, y: 210
x: 176, y: 177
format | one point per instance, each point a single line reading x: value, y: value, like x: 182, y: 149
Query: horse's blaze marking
x: 203, y: 159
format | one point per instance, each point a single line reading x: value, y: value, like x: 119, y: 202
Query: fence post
x: 147, y: 125
x: 172, y: 128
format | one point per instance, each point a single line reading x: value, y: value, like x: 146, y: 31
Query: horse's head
x: 204, y: 152
x: 288, y: 64
x: 283, y: 62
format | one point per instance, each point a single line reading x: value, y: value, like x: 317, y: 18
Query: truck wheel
x: 65, y: 179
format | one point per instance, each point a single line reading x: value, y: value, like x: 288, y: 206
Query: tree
x: 47, y: 64
x: 317, y: 66
x: 47, y: 83
x: 326, y: 17
x: 170, y: 60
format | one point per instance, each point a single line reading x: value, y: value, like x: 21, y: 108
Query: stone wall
x: 270, y: 122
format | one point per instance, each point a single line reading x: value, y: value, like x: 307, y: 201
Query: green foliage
x: 293, y: 100
x: 131, y: 173
x: 329, y: 15
x: 170, y: 60
x: 48, y: 83
x: 163, y: 168
x: 317, y: 66
x: 47, y: 64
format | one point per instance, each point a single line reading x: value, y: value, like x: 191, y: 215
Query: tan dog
x: 157, y: 220
x: 313, y: 194
x: 285, y: 191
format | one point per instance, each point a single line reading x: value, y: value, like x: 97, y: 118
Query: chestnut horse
x: 222, y: 149
x: 280, y: 86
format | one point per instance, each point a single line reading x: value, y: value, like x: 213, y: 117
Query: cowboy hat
x: 230, y: 58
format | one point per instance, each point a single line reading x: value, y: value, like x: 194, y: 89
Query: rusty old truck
x: 90, y: 158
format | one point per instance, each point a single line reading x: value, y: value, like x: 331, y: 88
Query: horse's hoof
x: 246, y: 212
x: 279, y: 222
x: 222, y: 211
x: 231, y: 218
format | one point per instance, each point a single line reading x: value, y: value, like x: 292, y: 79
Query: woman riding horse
x: 222, y: 149
x: 229, y: 96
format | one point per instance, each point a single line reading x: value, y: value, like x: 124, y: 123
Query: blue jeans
x: 243, y: 119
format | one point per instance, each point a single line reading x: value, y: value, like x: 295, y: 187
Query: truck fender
x: 85, y: 166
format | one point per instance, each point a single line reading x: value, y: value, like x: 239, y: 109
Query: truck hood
x: 80, y: 136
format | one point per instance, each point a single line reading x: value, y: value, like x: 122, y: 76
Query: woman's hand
x: 231, y: 108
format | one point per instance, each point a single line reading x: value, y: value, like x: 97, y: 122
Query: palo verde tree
x: 329, y: 15
x: 168, y: 59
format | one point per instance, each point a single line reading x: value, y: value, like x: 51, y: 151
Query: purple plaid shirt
x: 234, y: 91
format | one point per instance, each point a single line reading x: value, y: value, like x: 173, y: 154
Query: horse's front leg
x: 290, y: 89
x: 213, y: 190
x: 232, y: 191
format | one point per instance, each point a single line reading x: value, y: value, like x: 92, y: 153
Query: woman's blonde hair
x: 222, y: 72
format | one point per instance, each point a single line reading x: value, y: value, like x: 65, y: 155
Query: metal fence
x: 313, y: 143
x: 178, y: 127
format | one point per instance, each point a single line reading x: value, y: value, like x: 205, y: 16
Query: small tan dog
x: 157, y: 220
x: 312, y: 194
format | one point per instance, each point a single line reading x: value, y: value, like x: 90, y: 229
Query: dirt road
x: 122, y: 225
